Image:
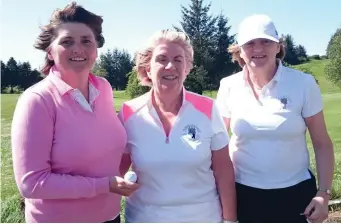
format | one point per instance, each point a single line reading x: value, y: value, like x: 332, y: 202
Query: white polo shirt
x: 175, y: 176
x: 268, y: 145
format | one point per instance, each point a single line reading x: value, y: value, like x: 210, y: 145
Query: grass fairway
x: 317, y: 68
x: 10, y: 200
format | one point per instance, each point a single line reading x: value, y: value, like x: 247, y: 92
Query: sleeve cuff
x: 219, y: 141
x: 312, y: 113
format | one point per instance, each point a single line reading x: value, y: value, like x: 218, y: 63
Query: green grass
x: 317, y: 69
x: 10, y: 200
x: 119, y: 98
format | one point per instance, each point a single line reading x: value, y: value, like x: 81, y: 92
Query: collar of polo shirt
x: 150, y: 105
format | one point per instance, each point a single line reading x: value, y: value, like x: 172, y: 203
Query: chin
x: 260, y: 64
x: 171, y: 88
x: 80, y: 69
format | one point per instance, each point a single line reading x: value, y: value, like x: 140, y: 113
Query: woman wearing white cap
x: 268, y: 108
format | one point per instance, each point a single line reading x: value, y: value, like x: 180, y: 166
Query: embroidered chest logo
x: 191, y: 132
x: 285, y: 102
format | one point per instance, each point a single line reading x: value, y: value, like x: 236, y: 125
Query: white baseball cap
x: 256, y: 26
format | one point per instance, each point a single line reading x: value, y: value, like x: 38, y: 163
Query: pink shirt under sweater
x: 63, y: 155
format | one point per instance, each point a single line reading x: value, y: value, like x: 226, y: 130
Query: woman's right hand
x: 121, y: 186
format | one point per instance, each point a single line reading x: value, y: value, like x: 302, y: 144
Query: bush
x: 12, y: 90
x: 134, y: 89
x: 333, y: 68
x: 305, y: 70
x: 196, y: 80
x: 333, y: 71
x: 332, y: 41
x: 315, y: 57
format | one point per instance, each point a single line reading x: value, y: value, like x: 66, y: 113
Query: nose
x: 169, y: 66
x: 78, y: 48
x: 258, y: 47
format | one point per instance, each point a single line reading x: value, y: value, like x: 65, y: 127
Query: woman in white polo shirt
x: 268, y: 107
x: 177, y: 142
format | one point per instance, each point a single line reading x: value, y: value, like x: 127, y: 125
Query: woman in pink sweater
x: 67, y: 142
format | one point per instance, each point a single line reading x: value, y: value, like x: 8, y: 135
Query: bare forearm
x: 226, y: 188
x: 325, y: 166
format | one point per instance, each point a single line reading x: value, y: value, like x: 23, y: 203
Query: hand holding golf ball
x: 131, y: 176
x: 124, y: 186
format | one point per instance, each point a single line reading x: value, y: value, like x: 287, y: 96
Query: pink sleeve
x: 32, y: 136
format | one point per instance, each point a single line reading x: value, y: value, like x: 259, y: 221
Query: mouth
x: 170, y: 77
x: 259, y: 56
x: 77, y: 59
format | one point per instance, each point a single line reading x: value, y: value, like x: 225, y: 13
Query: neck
x: 78, y: 81
x: 261, y: 77
x: 167, y: 102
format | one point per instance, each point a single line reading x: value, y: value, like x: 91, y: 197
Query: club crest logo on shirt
x: 285, y: 101
x: 191, y: 132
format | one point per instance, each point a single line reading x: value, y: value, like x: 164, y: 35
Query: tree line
x: 210, y: 36
x: 16, y: 76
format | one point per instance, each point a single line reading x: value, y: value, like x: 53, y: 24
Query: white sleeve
x: 222, y: 100
x: 220, y: 137
x: 312, y: 97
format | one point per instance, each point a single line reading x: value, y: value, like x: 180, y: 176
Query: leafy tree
x: 114, y: 66
x: 134, y: 89
x: 16, y: 77
x: 223, y: 65
x: 24, y: 74
x: 337, y: 33
x: 210, y: 38
x: 196, y: 80
x: 201, y: 29
x: 12, y: 70
x: 290, y: 47
x: 315, y: 57
x: 301, y: 54
x: 333, y: 68
x: 97, y: 70
x: 5, y: 79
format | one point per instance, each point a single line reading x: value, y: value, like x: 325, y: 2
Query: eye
x: 250, y: 44
x: 161, y: 59
x: 66, y: 42
x: 86, y: 41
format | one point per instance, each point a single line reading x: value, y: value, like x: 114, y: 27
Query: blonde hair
x: 234, y: 49
x: 144, y: 56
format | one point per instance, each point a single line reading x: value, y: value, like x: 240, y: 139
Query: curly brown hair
x: 71, y: 13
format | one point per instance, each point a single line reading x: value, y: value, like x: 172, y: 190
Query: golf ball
x: 130, y: 176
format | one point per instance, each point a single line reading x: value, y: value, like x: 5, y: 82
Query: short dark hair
x: 71, y: 13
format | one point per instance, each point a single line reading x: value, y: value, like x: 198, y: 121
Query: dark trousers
x: 275, y: 205
x: 115, y: 220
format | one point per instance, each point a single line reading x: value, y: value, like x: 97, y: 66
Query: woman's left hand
x: 317, y: 210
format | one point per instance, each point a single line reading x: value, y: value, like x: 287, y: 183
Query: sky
x: 129, y: 23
